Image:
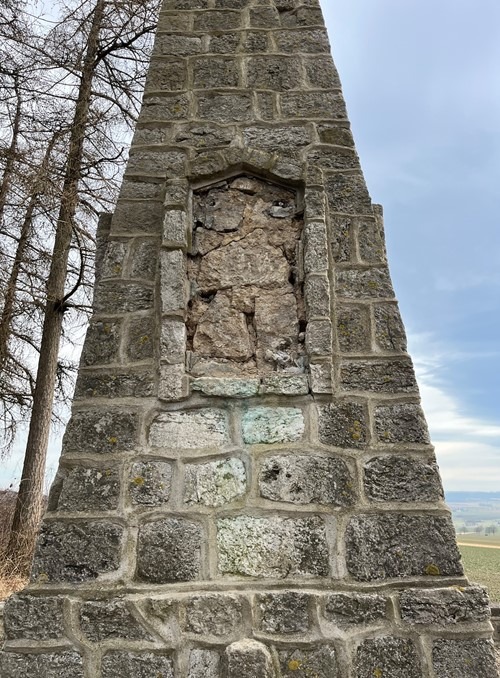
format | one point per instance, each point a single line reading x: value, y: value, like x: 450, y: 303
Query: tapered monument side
x: 247, y: 486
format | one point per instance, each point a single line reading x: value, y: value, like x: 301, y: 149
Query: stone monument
x: 247, y: 488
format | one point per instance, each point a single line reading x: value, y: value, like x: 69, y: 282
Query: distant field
x: 482, y: 565
x: 492, y: 539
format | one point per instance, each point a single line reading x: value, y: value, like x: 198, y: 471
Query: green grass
x: 482, y: 566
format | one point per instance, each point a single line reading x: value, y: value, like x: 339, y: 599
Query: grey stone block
x: 224, y: 107
x: 276, y: 73
x: 175, y: 228
x: 173, y: 341
x: 318, y: 661
x: 264, y: 425
x: 134, y: 217
x: 464, y: 658
x: 190, y: 429
x: 203, y: 135
x: 272, y: 547
x: 224, y: 43
x: 274, y: 138
x: 169, y: 551
x: 264, y: 17
x: 389, y: 330
x: 163, y: 108
x: 329, y: 158
x: 137, y: 665
x: 317, y: 296
x: 227, y: 387
x: 139, y: 341
x: 346, y: 610
x: 215, y: 483
x: 215, y: 73
x: 173, y: 282
x: 214, y: 615
x: 107, y: 620
x: 168, y: 75
x: 114, y: 257
x: 173, y: 384
x: 343, y: 424
x: 316, y: 105
x: 101, y: 431
x: 213, y: 20
x: 285, y: 384
x: 45, y: 665
x: 336, y: 133
x: 284, y: 613
x: 150, y: 483
x: 388, y: 656
x: 141, y: 190
x: 370, y: 283
x: 250, y: 659
x: 371, y: 241
x: 316, y: 252
x: 112, y: 384
x: 310, y: 479
x: 353, y: 328
x: 101, y: 343
x: 177, y: 45
x: 321, y: 378
x: 319, y: 337
x: 322, y: 74
x: 122, y: 297
x: 309, y: 41
x: 347, y: 193
x: 444, y: 607
x: 33, y: 617
x: 380, y: 376
x: 144, y: 257
x: 77, y: 552
x: 393, y: 545
x: 402, y: 478
x: 204, y: 664
x: 89, y: 489
x: 403, y: 423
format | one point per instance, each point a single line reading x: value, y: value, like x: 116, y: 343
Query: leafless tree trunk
x: 28, y: 510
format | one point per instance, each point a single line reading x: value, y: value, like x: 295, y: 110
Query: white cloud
x: 467, y: 447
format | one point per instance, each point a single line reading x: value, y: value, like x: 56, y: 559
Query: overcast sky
x: 422, y: 83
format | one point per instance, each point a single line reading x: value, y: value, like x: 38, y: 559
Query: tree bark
x: 29, y: 503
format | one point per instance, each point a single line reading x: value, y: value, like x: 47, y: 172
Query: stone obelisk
x: 247, y: 488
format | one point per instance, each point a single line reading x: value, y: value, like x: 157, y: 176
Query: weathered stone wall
x: 247, y: 486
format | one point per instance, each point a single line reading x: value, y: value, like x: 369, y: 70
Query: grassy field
x: 482, y: 565
x: 492, y: 539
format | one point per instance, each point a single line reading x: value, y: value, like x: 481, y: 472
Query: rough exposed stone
x: 368, y: 283
x: 137, y: 218
x: 215, y: 483
x: 169, y: 551
x: 319, y: 337
x: 285, y: 384
x: 204, y: 664
x: 177, y: 45
x: 371, y: 241
x: 33, y: 617
x: 167, y: 75
x: 150, y: 482
x: 388, y: 376
x: 112, y: 265
x: 272, y: 547
x: 319, y: 662
x: 49, y: 665
x: 225, y: 107
x: 214, y: 19
x: 101, y: 621
x: 444, y: 607
x: 343, y: 424
x: 250, y: 659
x: 321, y: 73
x: 317, y: 296
x: 264, y: 425
x: 173, y: 384
x: 316, y: 251
x: 101, y: 431
x: 307, y: 40
x: 347, y: 609
x: 284, y: 613
x: 140, y: 664
x: 353, y: 328
x: 402, y: 478
x: 404, y: 423
x: 175, y: 229
x: 222, y: 332
x: 396, y: 545
x: 89, y: 489
x: 276, y: 137
x: 312, y: 105
x: 464, y: 658
x: 144, y: 259
x: 347, y: 192
x: 276, y: 73
x: 306, y: 480
x: 388, y: 656
x: 215, y: 72
x: 156, y: 163
x: 76, y: 552
x: 230, y: 388
x: 214, y: 615
x: 190, y: 429
x: 389, y: 330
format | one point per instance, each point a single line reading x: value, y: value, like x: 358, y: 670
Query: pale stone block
x: 174, y: 383
x: 190, y: 429
x: 264, y: 425
x: 173, y: 281
x: 215, y: 483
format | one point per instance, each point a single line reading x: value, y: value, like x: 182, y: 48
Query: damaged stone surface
x: 215, y: 483
x: 249, y: 658
x: 346, y: 610
x: 319, y: 661
x: 247, y: 307
x: 388, y: 656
